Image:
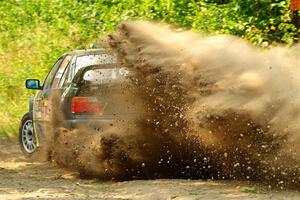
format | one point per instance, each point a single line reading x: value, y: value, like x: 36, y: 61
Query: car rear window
x: 95, y: 59
x: 106, y: 75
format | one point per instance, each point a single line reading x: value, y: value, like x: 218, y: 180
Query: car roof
x: 87, y: 52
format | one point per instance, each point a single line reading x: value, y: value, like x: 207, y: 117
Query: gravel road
x: 23, y: 178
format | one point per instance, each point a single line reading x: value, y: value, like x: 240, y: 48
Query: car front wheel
x: 26, y: 135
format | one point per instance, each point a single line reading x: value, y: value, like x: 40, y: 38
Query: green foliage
x: 33, y: 34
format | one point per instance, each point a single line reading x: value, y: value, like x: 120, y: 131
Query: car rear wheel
x: 26, y: 135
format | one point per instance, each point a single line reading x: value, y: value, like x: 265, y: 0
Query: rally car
x: 84, y: 88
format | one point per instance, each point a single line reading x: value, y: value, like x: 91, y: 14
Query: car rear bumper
x: 102, y: 123
x: 89, y: 123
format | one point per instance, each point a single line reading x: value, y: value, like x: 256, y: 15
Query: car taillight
x: 85, y: 105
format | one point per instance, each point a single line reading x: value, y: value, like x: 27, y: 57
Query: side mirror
x: 33, y: 84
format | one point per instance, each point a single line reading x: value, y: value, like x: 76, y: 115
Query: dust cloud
x: 217, y: 108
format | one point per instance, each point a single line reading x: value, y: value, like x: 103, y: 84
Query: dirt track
x: 21, y: 178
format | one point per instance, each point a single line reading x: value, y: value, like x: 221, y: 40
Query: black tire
x: 27, y: 138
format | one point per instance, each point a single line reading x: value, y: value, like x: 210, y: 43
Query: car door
x: 42, y: 103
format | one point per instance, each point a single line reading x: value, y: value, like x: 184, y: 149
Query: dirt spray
x: 218, y: 108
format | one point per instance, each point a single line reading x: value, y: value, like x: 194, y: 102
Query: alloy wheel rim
x: 28, y: 140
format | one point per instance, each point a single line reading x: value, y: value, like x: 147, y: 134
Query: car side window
x: 66, y: 78
x: 49, y: 78
x: 57, y: 82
